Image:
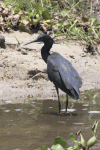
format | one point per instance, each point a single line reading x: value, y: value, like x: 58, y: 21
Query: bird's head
x: 41, y: 38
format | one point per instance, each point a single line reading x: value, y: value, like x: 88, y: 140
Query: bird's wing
x: 69, y: 75
x: 58, y: 64
x: 53, y: 68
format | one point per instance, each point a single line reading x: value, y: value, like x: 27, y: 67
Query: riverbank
x: 23, y: 72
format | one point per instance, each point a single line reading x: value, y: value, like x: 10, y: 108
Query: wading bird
x: 60, y: 71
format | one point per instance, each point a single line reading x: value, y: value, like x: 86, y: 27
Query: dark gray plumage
x: 60, y: 71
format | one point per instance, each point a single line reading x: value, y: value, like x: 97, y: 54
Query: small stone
x: 83, y: 55
x: 18, y: 49
x: 2, y: 41
x: 72, y: 56
x: 23, y: 52
x: 1, y: 65
x: 6, y: 11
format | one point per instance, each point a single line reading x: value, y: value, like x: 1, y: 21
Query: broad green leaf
x: 27, y: 18
x: 39, y: 8
x: 97, y: 24
x: 46, y: 15
x: 20, y: 26
x: 35, y: 21
x: 47, y: 23
x: 72, y: 136
x: 69, y: 148
x: 17, y: 9
x: 8, y: 24
x: 82, y: 140
x: 37, y: 16
x: 45, y: 147
x: 57, y: 147
x: 39, y: 149
x: 60, y: 140
x: 78, y: 145
x: 31, y: 14
x: 91, y: 141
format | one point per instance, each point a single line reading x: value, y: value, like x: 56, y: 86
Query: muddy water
x: 29, y: 126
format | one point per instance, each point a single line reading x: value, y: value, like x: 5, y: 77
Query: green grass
x: 61, y: 17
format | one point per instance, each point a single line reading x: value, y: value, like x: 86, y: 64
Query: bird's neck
x: 45, y: 50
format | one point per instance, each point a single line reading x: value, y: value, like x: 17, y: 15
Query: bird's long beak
x: 34, y: 40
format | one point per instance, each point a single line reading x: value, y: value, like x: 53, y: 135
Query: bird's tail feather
x: 75, y: 94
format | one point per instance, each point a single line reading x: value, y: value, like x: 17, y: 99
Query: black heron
x: 60, y: 71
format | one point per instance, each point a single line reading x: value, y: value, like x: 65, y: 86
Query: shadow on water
x: 29, y: 126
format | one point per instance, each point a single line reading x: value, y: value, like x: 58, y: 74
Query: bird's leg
x: 59, y: 105
x: 66, y: 101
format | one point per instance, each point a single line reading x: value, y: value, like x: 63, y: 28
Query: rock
x: 2, y: 41
x: 24, y: 26
x: 43, y: 28
x: 23, y: 52
x: 15, y: 20
x: 90, y: 49
x: 17, y: 17
x: 1, y: 65
x: 1, y: 10
x: 2, y: 5
x: 5, y: 12
x: 18, y: 49
x: 72, y: 56
x: 84, y: 19
x: 1, y: 19
x: 26, y: 23
x: 83, y: 55
x: 2, y: 26
x: 9, y: 18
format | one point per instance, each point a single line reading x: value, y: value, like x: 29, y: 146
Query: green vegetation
x: 60, y: 143
x: 72, y: 18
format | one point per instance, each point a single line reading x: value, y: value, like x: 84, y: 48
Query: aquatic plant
x: 59, y: 143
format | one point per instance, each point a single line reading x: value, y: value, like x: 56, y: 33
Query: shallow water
x: 32, y: 125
